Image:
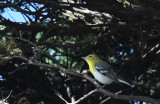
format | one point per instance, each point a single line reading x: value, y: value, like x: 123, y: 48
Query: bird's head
x: 91, y: 58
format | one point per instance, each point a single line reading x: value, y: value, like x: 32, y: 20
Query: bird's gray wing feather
x: 106, y: 70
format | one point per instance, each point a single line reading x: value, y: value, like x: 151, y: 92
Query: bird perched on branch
x: 102, y: 71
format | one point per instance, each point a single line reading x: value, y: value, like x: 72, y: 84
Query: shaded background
x: 125, y: 33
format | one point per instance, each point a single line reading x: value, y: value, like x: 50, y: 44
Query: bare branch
x: 4, y: 100
x: 85, y: 96
x: 62, y: 98
x: 110, y: 97
x: 79, y: 100
x: 128, y: 98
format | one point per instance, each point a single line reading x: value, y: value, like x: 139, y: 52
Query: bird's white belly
x: 101, y: 78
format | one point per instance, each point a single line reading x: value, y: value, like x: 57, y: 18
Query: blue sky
x: 13, y: 16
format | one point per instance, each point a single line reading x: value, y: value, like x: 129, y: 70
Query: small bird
x: 102, y: 71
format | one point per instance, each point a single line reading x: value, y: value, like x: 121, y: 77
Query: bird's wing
x: 106, y: 70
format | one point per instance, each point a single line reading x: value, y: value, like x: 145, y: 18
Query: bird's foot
x: 94, y: 79
x: 103, y: 86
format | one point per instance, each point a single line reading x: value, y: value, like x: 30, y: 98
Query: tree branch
x: 85, y: 96
x: 80, y: 99
x: 127, y: 97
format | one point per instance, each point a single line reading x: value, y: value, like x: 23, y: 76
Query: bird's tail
x: 122, y: 81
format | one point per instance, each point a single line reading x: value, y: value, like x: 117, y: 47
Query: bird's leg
x: 99, y: 86
x: 103, y: 86
x: 94, y: 79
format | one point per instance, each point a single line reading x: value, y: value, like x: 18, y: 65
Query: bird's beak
x: 84, y: 58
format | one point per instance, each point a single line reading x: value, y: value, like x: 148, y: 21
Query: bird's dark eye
x: 90, y: 56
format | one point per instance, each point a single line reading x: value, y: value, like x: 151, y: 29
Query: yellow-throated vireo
x: 102, y: 71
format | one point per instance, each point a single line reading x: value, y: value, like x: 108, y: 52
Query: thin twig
x: 128, y: 97
x: 80, y: 99
x: 62, y: 98
x: 110, y: 97
x: 4, y: 100
x: 9, y: 95
x: 85, y: 96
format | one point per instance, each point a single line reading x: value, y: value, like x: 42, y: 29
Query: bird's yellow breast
x: 91, y: 67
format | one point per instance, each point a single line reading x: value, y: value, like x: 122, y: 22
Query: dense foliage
x: 40, y: 57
